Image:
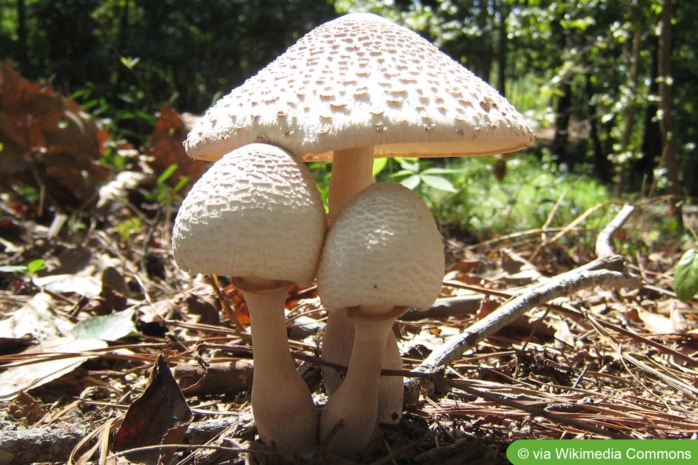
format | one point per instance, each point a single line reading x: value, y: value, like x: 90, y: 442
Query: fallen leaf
x: 87, y: 286
x: 48, y: 142
x: 238, y: 304
x: 71, y: 353
x: 38, y: 319
x: 166, y: 148
x: 110, y: 327
x: 159, y: 416
x: 656, y: 324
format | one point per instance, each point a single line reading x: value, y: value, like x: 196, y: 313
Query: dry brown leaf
x: 48, y: 142
x: 656, y: 324
x: 24, y: 377
x: 166, y: 148
x: 159, y: 416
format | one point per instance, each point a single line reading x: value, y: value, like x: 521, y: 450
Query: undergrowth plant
x: 467, y: 199
x: 480, y: 204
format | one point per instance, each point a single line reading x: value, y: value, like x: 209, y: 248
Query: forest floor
x: 107, y: 346
x: 605, y: 358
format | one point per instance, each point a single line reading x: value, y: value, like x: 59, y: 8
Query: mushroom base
x: 282, y: 405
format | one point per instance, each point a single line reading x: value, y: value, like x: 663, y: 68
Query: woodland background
x: 611, y: 82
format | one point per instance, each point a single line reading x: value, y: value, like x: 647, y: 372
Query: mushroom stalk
x: 285, y: 421
x: 352, y: 172
x: 353, y: 407
x: 337, y: 347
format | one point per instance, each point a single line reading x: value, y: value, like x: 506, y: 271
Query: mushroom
x: 352, y: 89
x: 382, y: 256
x: 256, y: 215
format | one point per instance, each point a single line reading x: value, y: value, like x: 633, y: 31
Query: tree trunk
x: 502, y: 47
x: 666, y: 124
x: 22, y: 35
x: 603, y: 167
x: 563, y: 107
x: 631, y: 110
x: 651, y: 149
x: 486, y: 63
x: 563, y: 112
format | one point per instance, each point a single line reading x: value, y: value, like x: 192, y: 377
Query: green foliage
x: 128, y: 227
x: 122, y: 59
x: 163, y: 193
x: 522, y: 200
x: 686, y: 276
x: 414, y: 172
x: 322, y: 172
x: 30, y: 269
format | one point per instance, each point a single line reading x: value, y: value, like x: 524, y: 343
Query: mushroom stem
x: 337, y: 346
x: 286, y: 418
x: 352, y: 172
x: 347, y: 414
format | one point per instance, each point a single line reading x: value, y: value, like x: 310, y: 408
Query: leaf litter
x: 163, y: 359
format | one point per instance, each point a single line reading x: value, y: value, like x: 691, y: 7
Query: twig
x: 565, y: 284
x: 604, y: 246
x: 563, y: 231
x: 533, y: 409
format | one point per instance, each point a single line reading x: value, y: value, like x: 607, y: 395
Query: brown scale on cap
x: 348, y: 71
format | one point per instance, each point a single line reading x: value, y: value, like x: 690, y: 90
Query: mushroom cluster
x: 352, y: 89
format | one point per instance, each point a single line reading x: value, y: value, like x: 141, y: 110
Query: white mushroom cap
x: 359, y: 81
x: 256, y: 212
x: 383, y: 250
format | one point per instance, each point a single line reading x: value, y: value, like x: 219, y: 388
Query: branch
x: 595, y: 273
x: 604, y: 247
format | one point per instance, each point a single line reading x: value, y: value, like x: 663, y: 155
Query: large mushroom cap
x: 384, y: 249
x: 255, y: 212
x: 357, y: 81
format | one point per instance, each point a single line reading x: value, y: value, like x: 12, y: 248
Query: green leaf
x: 379, y: 165
x: 36, y: 265
x: 411, y: 182
x: 128, y: 227
x: 686, y: 276
x: 110, y: 327
x: 438, y: 182
x: 444, y: 171
x: 408, y: 164
x: 169, y: 171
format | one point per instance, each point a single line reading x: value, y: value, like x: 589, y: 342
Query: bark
x: 22, y: 34
x: 54, y: 444
x: 502, y: 48
x: 643, y: 169
x: 563, y: 112
x: 666, y: 123
x: 602, y: 165
x: 631, y: 109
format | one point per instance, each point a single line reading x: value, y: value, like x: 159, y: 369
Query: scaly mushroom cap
x: 384, y: 249
x: 255, y: 212
x: 359, y: 81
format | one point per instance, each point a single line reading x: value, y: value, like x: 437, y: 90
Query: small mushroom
x: 257, y: 216
x: 382, y: 256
